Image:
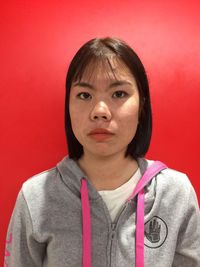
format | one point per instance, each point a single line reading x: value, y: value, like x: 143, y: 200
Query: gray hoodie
x: 46, y: 224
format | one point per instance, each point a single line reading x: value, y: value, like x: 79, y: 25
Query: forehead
x: 111, y: 68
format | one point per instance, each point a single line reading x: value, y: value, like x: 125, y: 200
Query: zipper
x: 113, y: 230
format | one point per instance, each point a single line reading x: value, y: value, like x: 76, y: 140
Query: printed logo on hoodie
x: 156, y: 232
x: 7, y: 253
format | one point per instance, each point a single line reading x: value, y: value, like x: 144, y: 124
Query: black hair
x: 100, y: 49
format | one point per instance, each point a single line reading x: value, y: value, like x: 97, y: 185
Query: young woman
x: 105, y: 205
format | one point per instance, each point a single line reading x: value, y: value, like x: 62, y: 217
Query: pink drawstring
x: 86, y: 225
x: 154, y: 169
x: 139, y: 254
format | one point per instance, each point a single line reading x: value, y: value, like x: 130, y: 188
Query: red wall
x: 39, y: 38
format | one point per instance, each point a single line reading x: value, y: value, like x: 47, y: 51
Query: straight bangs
x: 88, y: 67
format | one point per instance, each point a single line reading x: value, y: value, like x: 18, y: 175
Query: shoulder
x: 177, y: 185
x: 178, y: 189
x: 39, y: 180
x: 169, y: 175
x: 172, y: 177
x: 37, y: 187
x: 170, y: 181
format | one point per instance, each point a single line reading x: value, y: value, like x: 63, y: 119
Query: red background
x: 39, y: 38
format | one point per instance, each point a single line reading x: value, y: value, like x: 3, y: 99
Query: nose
x: 101, y: 112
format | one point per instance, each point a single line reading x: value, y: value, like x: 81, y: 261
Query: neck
x: 108, y: 173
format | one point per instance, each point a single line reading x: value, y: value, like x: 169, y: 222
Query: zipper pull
x: 113, y: 226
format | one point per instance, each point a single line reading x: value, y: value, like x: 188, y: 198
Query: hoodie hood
x: 72, y: 175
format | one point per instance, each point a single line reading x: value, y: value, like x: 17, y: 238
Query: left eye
x: 119, y: 94
x: 84, y: 96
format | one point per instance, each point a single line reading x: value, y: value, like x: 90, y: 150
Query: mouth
x: 100, y: 131
x: 100, y: 134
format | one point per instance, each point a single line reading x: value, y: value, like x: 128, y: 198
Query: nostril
x: 103, y: 117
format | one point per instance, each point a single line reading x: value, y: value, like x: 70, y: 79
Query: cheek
x: 128, y: 121
x: 77, y: 121
x: 129, y: 113
x: 74, y: 118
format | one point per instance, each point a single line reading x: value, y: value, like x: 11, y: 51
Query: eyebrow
x: 113, y: 84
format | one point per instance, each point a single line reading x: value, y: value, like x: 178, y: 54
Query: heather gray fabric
x: 46, y: 224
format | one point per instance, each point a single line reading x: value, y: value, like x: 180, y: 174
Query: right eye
x: 84, y: 96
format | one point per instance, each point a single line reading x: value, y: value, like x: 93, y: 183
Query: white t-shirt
x: 115, y: 199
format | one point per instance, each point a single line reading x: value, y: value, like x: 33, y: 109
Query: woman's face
x: 104, y: 109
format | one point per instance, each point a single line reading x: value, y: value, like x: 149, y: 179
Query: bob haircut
x: 101, y: 50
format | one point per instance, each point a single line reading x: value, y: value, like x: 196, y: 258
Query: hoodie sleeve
x: 22, y: 249
x: 188, y: 244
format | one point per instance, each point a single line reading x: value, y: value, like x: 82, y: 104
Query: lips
x: 100, y: 134
x: 100, y: 131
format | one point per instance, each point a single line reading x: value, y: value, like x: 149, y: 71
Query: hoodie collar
x: 72, y: 175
